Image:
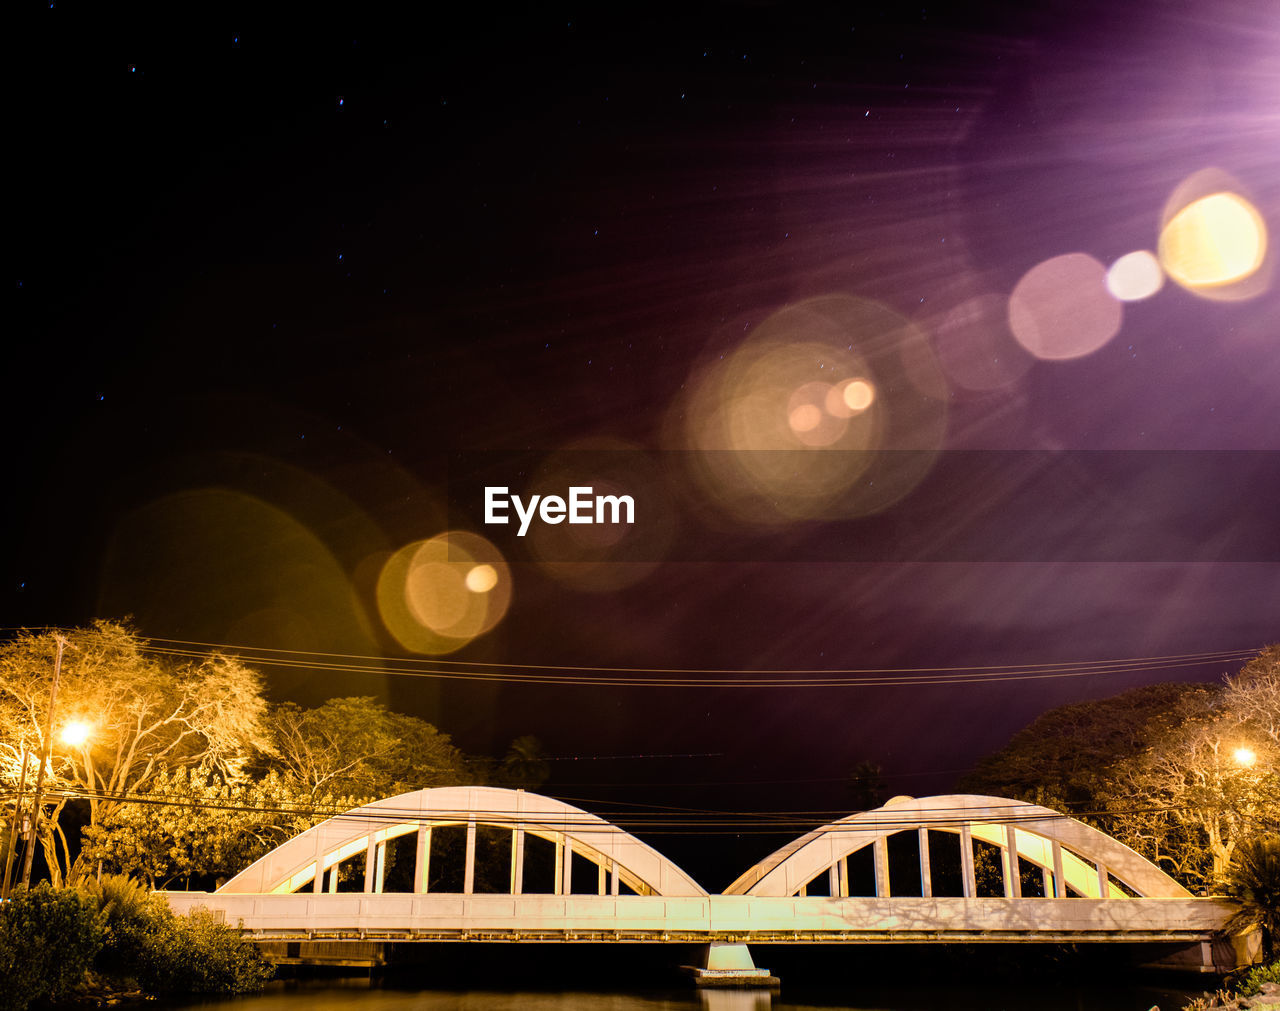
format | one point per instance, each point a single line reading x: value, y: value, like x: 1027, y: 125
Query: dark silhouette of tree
x: 866, y: 785
x: 1254, y: 878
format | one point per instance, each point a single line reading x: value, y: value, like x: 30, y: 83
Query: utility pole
x: 45, y: 752
x: 13, y: 829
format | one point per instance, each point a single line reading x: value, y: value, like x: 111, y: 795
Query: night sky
x: 282, y: 295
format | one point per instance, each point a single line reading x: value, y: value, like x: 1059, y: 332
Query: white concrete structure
x: 1072, y: 857
x: 1095, y: 888
x: 620, y: 858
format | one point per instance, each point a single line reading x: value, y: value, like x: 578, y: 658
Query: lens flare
x: 437, y: 595
x: 976, y: 348
x: 481, y: 578
x: 1217, y: 240
x: 1061, y: 308
x: 799, y: 421
x: 810, y: 421
x: 850, y: 397
x: 1135, y: 276
x: 1213, y: 241
x: 603, y: 557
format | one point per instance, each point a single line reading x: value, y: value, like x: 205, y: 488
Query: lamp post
x: 34, y: 835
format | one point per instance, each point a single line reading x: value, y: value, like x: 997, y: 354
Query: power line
x: 741, y: 678
x: 666, y: 821
x: 1205, y: 657
x: 684, y: 677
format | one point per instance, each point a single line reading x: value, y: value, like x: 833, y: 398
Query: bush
x: 198, y: 954
x: 1252, y: 981
x: 48, y: 938
x: 126, y: 906
x: 165, y: 953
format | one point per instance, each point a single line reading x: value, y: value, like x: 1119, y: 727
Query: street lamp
x: 1245, y: 757
x: 76, y: 733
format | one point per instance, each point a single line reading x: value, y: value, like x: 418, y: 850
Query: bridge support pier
x: 726, y: 964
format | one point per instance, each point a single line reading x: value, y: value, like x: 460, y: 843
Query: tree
x: 48, y: 938
x: 1186, y: 801
x: 525, y: 765
x: 357, y: 747
x: 1254, y: 878
x: 1067, y: 758
x: 867, y: 787
x: 1182, y: 773
x: 147, y: 712
x: 1253, y: 696
x: 191, y: 824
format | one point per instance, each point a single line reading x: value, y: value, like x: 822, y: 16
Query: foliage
x: 525, y: 765
x: 1154, y: 767
x: 164, y: 953
x: 867, y: 786
x: 190, y: 824
x: 198, y: 954
x: 357, y: 747
x: 1251, y: 982
x: 1066, y: 759
x: 188, y: 773
x: 147, y: 712
x: 48, y: 938
x: 1254, y: 878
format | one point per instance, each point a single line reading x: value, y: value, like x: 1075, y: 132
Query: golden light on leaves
x: 436, y: 595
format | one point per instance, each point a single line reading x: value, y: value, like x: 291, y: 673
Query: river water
x: 401, y: 994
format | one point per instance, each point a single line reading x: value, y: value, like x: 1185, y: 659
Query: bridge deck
x: 743, y: 918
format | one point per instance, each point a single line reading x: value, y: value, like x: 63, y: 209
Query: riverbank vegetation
x: 113, y: 937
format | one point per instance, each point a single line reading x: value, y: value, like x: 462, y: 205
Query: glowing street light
x: 1245, y: 757
x: 76, y: 733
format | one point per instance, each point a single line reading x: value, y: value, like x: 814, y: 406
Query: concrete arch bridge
x: 489, y: 864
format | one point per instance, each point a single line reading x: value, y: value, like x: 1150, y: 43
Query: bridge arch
x: 1073, y: 857
x: 313, y: 857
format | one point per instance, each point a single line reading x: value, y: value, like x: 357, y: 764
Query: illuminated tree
x: 357, y: 747
x: 1183, y: 773
x: 145, y: 712
x: 1253, y: 696
x: 1187, y: 802
x: 191, y: 823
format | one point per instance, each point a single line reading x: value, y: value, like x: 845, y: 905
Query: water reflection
x: 735, y: 1000
x: 852, y: 995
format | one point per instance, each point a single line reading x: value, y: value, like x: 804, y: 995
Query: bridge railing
x: 738, y: 917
